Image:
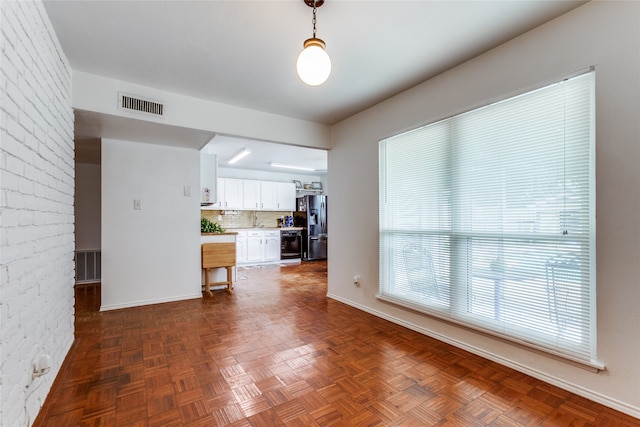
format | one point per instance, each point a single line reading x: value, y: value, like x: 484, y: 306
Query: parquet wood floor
x: 277, y: 352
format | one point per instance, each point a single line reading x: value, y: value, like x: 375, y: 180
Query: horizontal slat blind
x: 488, y: 218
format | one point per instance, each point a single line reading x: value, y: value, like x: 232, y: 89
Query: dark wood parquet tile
x: 277, y: 352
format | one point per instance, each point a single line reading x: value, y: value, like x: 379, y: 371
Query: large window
x: 487, y: 218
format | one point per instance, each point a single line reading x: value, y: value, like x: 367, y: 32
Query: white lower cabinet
x: 272, y: 245
x: 241, y: 247
x: 257, y: 246
x: 255, y: 250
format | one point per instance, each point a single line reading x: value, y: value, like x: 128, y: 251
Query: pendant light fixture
x: 314, y: 64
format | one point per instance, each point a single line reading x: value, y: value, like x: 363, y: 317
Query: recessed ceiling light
x: 281, y: 165
x: 240, y: 154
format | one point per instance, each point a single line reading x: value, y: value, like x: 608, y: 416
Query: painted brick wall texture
x: 36, y: 202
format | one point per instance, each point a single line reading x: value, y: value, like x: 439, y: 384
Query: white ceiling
x: 263, y: 153
x: 243, y: 53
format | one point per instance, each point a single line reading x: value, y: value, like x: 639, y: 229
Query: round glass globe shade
x: 314, y: 65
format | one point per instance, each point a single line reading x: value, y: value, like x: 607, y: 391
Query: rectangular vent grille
x: 88, y: 264
x: 143, y: 105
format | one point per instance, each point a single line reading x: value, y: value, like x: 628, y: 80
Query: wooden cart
x: 218, y: 255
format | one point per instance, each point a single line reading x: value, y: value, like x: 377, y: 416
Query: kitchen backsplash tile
x: 245, y: 219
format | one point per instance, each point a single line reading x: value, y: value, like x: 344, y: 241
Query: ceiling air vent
x: 136, y: 103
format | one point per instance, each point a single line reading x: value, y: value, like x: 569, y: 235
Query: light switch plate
x: 137, y: 204
x: 187, y: 191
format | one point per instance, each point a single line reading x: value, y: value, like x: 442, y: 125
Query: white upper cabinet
x: 286, y: 200
x: 251, y: 194
x: 268, y: 195
x: 208, y: 178
x: 246, y: 194
x: 233, y: 193
x: 229, y: 194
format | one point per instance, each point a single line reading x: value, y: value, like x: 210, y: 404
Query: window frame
x: 450, y: 310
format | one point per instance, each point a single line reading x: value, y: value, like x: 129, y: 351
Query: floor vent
x: 132, y: 103
x: 88, y: 265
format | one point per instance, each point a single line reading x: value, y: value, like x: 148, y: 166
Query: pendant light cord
x: 314, y: 19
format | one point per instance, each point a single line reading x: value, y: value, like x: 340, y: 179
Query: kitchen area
x: 142, y: 222
x: 261, y: 239
x: 275, y: 218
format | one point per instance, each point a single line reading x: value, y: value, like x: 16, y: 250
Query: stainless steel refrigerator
x: 312, y: 216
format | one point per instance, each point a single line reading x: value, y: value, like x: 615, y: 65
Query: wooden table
x: 218, y: 255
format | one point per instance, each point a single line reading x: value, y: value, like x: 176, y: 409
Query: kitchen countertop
x: 268, y: 228
x: 219, y: 234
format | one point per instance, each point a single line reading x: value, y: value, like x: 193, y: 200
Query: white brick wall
x: 36, y: 202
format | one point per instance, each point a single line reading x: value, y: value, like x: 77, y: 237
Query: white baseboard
x: 149, y: 302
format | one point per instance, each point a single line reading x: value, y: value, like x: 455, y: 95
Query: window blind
x: 487, y: 218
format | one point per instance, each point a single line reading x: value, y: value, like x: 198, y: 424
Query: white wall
x: 603, y: 34
x: 36, y: 179
x: 97, y: 93
x: 87, y: 206
x: 149, y: 255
